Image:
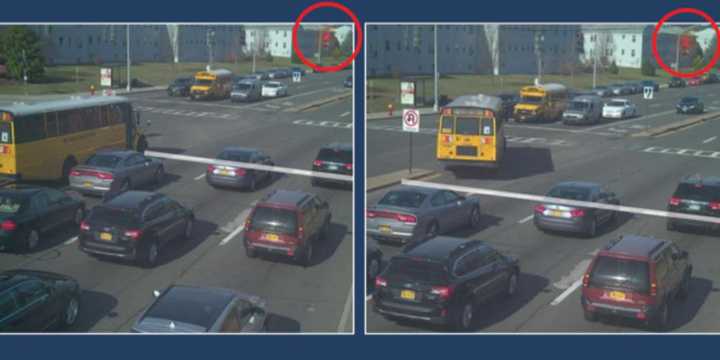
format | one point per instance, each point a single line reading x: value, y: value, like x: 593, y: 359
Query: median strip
x: 319, y: 103
x: 386, y: 180
x: 678, y: 125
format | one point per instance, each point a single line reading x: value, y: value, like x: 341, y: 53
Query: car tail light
x: 539, y: 208
x: 577, y: 213
x: 348, y: 166
x: 641, y: 316
x: 444, y: 292
x: 318, y: 162
x: 133, y: 234
x: 8, y: 225
x: 240, y: 172
x: 715, y: 205
x: 74, y: 173
x: 84, y: 226
x: 675, y: 201
x: 586, y: 280
x: 211, y: 168
x: 104, y: 176
x: 370, y: 214
x: 301, y: 232
x: 653, y: 289
x: 406, y: 218
x: 380, y: 282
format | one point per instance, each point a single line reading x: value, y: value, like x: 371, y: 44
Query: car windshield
x: 203, y: 82
x: 339, y: 156
x: 272, y: 85
x: 600, y: 87
x: 578, y: 105
x: 275, y: 220
x: 106, y: 161
x: 242, y: 87
x: 403, y: 269
x: 10, y: 203
x: 196, y: 310
x: 532, y: 99
x: 616, y: 104
x: 408, y: 199
x: 620, y: 273
x: 241, y: 156
x: 698, y: 192
x: 182, y: 81
x: 124, y: 218
x: 688, y: 100
x: 570, y: 193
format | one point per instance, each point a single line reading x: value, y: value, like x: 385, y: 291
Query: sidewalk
x: 397, y: 114
x: 118, y: 92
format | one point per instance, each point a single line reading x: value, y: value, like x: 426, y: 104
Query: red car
x: 696, y: 81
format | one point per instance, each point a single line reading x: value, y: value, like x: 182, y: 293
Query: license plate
x: 617, y: 295
x: 271, y: 237
x: 694, y: 207
x: 385, y: 229
x: 407, y: 294
x: 87, y: 184
x: 106, y: 236
x: 332, y: 167
x: 226, y: 172
x: 556, y: 213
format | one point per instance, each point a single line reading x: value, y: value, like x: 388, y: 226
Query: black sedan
x: 180, y: 87
x: 36, y: 301
x: 27, y: 212
x: 549, y: 216
x: 690, y: 105
x: 508, y: 102
x: 676, y: 82
x: 651, y: 83
x: 333, y: 158
x: 135, y: 225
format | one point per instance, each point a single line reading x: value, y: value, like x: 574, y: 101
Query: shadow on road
x: 94, y: 306
x: 201, y: 231
x: 519, y: 162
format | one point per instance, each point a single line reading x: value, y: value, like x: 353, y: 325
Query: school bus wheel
x: 68, y: 164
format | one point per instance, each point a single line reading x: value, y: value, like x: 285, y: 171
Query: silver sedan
x: 415, y: 213
x: 116, y: 171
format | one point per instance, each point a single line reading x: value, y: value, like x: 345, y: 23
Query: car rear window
x: 403, y: 269
x: 186, y: 310
x: 11, y: 204
x: 124, y: 218
x: 340, y: 156
x: 698, y: 192
x: 570, y: 193
x: 107, y: 161
x: 409, y: 199
x: 242, y: 156
x: 276, y: 220
x: 620, y: 273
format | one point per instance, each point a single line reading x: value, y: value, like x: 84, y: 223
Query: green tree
x: 346, y: 46
x: 613, y: 68
x: 294, y: 58
x: 21, y: 49
x: 647, y: 68
x: 698, y: 62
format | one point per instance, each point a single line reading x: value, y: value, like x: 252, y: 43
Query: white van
x: 583, y: 110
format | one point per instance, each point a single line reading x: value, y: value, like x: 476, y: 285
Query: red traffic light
x: 326, y: 36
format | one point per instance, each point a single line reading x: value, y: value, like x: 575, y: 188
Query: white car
x: 619, y: 109
x: 274, y: 89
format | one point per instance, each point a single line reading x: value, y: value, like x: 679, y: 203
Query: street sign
x: 296, y: 76
x: 407, y: 93
x: 411, y: 120
x: 106, y: 77
x: 648, y: 92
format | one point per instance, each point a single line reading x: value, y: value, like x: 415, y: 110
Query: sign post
x: 411, y: 124
x: 648, y: 93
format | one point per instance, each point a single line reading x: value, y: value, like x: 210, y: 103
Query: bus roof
x: 22, y: 108
x: 546, y: 87
x: 477, y: 101
x: 216, y: 73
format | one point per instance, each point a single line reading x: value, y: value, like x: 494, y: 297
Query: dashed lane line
x: 709, y: 140
x: 199, y: 176
x: 345, y: 114
x: 526, y: 219
x: 71, y: 240
x: 566, y: 293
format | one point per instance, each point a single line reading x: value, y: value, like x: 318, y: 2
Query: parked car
x: 260, y: 75
x: 695, y: 195
x: 302, y: 71
x: 238, y: 177
x: 135, y: 225
x: 619, y: 109
x: 116, y: 171
x: 274, y: 89
x: 411, y: 213
x: 189, y: 309
x: 27, y: 213
x: 442, y: 280
x: 549, y: 216
x: 279, y: 74
x: 636, y: 87
x: 620, y: 89
x: 602, y: 91
x: 289, y: 223
x: 180, y: 87
x: 37, y: 301
x: 690, y: 105
x: 348, y: 83
x: 695, y: 81
x: 676, y: 82
x: 636, y: 277
x: 246, y: 90
x: 507, y: 104
x: 334, y: 158
x: 651, y: 83
x: 373, y: 260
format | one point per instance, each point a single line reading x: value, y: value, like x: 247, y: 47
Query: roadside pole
x: 411, y: 124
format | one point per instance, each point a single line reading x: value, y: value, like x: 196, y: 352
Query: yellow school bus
x: 213, y: 84
x: 44, y: 140
x: 541, y: 102
x: 471, y: 132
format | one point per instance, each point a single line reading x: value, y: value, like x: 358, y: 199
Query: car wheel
x: 79, y: 216
x: 187, y: 233
x: 670, y: 226
x: 68, y: 164
x: 512, y: 285
x: 150, y: 255
x: 463, y: 316
x: 685, y: 286
x: 32, y: 240
x: 590, y: 316
x: 592, y: 228
x: 475, y: 217
x: 253, y: 184
x: 159, y: 176
x: 432, y: 230
x: 70, y: 314
x: 373, y: 268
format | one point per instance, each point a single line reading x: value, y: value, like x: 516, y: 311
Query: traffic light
x: 685, y: 44
x: 326, y: 36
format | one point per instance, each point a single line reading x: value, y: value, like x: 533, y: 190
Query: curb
x: 319, y: 103
x: 677, y: 125
x: 396, y: 178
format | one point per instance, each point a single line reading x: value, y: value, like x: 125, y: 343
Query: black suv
x: 698, y: 196
x: 636, y: 277
x: 180, y: 87
x: 335, y: 159
x: 135, y: 225
x: 676, y: 82
x: 440, y: 281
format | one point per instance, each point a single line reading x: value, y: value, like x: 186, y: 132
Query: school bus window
x: 467, y: 126
x: 51, y: 125
x: 447, y: 124
x: 103, y: 115
x: 91, y: 119
x: 115, y: 115
x: 487, y: 127
x: 5, y: 133
x: 29, y: 128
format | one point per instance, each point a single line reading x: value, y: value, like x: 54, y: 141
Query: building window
x: 623, y: 36
x: 622, y: 52
x: 60, y: 41
x: 633, y: 40
x: 632, y: 53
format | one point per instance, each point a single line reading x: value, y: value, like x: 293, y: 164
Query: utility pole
x: 677, y: 53
x: 127, y: 40
x: 256, y: 41
x: 436, y: 71
x: 595, y: 59
x: 210, y: 44
x: 539, y: 39
x: 25, y: 77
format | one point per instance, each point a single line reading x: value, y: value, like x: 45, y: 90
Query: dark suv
x: 440, y: 281
x: 334, y: 159
x: 636, y: 277
x: 288, y: 223
x: 135, y: 225
x: 698, y: 196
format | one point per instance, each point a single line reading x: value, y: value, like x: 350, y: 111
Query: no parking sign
x: 411, y: 120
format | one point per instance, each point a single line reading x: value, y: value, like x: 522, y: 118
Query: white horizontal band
x: 276, y: 169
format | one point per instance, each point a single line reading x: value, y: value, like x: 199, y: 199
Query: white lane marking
x: 240, y: 226
x: 709, y: 139
x: 684, y: 152
x: 566, y: 293
x: 231, y: 235
x: 552, y: 200
x: 71, y: 240
x: 347, y: 311
x: 526, y: 219
x: 244, y: 165
x: 368, y: 298
x: 345, y: 114
x: 640, y: 118
x: 573, y: 131
x: 199, y: 176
